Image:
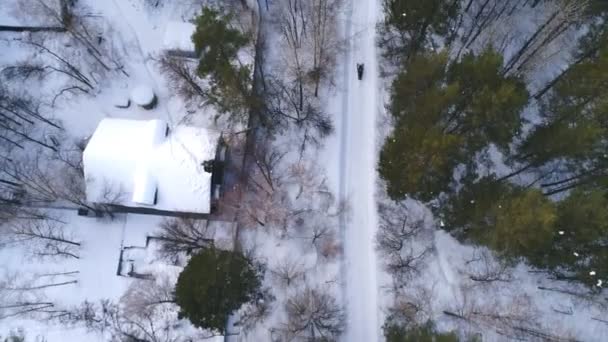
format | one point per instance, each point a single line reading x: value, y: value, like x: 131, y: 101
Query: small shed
x: 177, y: 40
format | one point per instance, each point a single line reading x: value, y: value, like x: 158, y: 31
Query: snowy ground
x: 95, y: 274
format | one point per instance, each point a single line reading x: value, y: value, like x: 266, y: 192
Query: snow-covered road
x: 358, y: 175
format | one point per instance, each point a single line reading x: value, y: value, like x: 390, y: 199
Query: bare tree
x: 484, y: 267
x: 23, y: 296
x: 325, y: 41
x: 109, y: 317
x: 143, y: 294
x: 292, y: 199
x: 257, y: 311
x: 319, y: 228
x: 25, y: 131
x: 43, y: 179
x: 184, y: 236
x: 411, y: 306
x: 395, y: 240
x: 182, y: 76
x: 22, y: 123
x: 291, y: 103
x: 138, y: 317
x: 80, y: 80
x: 315, y: 212
x: 287, y: 272
x: 313, y: 315
x: 564, y: 15
x: 311, y: 43
x: 309, y: 30
x: 480, y: 16
x: 80, y: 27
x: 326, y: 242
x: 265, y: 203
x: 43, y: 237
x: 515, y: 317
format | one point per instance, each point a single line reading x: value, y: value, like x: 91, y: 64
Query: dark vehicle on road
x: 360, y: 71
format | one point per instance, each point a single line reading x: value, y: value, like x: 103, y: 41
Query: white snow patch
x: 142, y: 95
x: 178, y: 36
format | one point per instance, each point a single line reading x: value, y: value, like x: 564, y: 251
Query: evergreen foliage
x: 218, y: 44
x: 511, y: 220
x: 213, y: 285
x: 574, y: 133
x: 445, y: 113
x: 423, y: 333
x: 581, y: 247
x: 410, y: 25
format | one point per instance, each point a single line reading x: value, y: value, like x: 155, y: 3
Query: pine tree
x: 597, y: 7
x: 567, y: 238
x: 418, y: 161
x: 418, y: 158
x: 579, y: 250
x: 574, y: 132
x: 410, y: 24
x: 218, y: 44
x: 588, y: 48
x: 445, y: 113
x: 213, y: 285
x: 513, y: 221
x: 489, y: 105
x: 462, y: 210
x: 595, y: 39
x: 423, y: 333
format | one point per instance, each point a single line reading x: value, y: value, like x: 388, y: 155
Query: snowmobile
x: 360, y: 71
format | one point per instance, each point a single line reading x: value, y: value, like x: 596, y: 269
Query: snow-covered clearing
x: 91, y: 277
x: 358, y: 175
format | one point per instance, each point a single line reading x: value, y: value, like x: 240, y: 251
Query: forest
x: 503, y: 140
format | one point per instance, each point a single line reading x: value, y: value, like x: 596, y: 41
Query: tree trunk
x: 516, y: 172
x: 466, y: 37
x: 581, y: 59
x: 513, y: 61
x: 5, y: 28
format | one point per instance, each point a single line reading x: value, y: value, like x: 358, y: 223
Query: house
x: 177, y: 40
x: 143, y: 166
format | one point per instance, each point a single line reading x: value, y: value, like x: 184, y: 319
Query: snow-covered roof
x: 136, y: 159
x: 142, y: 95
x: 178, y: 36
x: 144, y: 186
